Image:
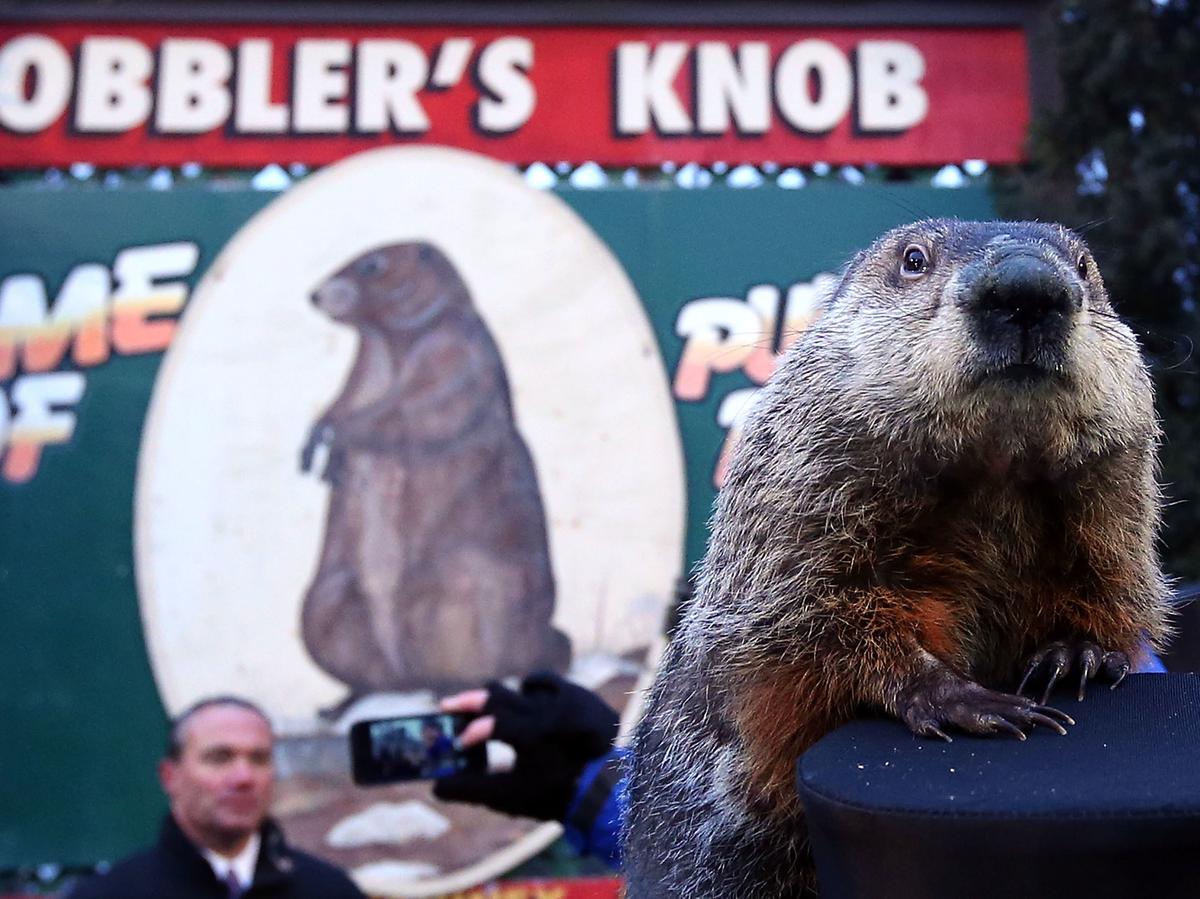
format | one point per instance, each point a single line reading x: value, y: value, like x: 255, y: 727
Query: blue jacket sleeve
x: 1145, y: 661
x: 593, y: 821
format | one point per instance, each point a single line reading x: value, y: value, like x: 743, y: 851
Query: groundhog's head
x: 398, y: 287
x: 969, y: 324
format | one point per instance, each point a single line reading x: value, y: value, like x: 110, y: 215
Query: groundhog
x: 435, y: 571
x: 948, y: 483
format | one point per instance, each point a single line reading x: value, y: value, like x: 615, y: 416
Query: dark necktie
x: 233, y: 884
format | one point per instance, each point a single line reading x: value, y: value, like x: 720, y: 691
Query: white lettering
x: 890, y: 96
x: 138, y: 271
x: 24, y: 307
x: 390, y: 73
x: 193, y: 86
x: 322, y: 84
x: 503, y: 72
x: 725, y: 87
x: 645, y: 88
x: 452, y: 58
x: 113, y: 91
x: 50, y: 67
x: 36, y: 396
x: 828, y: 65
x: 254, y: 112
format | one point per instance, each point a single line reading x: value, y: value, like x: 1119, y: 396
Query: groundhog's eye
x: 915, y: 262
x: 1082, y: 266
x: 372, y: 265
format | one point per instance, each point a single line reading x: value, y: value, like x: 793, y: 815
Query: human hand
x: 556, y: 728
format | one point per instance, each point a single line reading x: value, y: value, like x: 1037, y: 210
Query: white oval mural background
x: 228, y: 529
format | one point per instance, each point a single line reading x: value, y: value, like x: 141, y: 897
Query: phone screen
x: 411, y: 748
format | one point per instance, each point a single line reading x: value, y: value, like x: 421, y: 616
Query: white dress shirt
x: 241, y: 864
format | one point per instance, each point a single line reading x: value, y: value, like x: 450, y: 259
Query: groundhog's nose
x: 1026, y: 289
x: 335, y: 297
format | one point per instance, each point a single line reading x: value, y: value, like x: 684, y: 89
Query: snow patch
x: 380, y: 878
x: 388, y: 822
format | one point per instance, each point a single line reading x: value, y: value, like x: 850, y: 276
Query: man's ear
x: 166, y: 774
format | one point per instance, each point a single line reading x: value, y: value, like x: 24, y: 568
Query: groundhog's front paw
x: 335, y: 466
x: 320, y: 433
x: 1054, y: 661
x: 940, y: 698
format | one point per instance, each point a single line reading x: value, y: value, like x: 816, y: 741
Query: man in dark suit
x: 217, y: 842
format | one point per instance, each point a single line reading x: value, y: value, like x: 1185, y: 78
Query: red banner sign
x: 246, y: 95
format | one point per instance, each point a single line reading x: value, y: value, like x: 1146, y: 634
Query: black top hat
x: 1110, y: 810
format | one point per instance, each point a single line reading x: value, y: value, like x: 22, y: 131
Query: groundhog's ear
x: 850, y: 268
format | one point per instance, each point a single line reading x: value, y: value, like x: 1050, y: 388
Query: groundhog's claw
x: 940, y: 697
x: 1001, y: 725
x: 929, y: 729
x: 1115, y: 665
x: 1059, y: 657
x: 1050, y: 717
x: 319, y: 435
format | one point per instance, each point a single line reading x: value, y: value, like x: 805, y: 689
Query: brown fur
x: 435, y: 572
x: 923, y: 495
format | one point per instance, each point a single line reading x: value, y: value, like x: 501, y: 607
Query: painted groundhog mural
x: 435, y: 571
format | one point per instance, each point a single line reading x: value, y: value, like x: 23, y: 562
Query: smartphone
x: 416, y: 747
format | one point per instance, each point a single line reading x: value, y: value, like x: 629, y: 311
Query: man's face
x: 220, y: 786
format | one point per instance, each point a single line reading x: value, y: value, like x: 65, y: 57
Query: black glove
x: 556, y: 728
